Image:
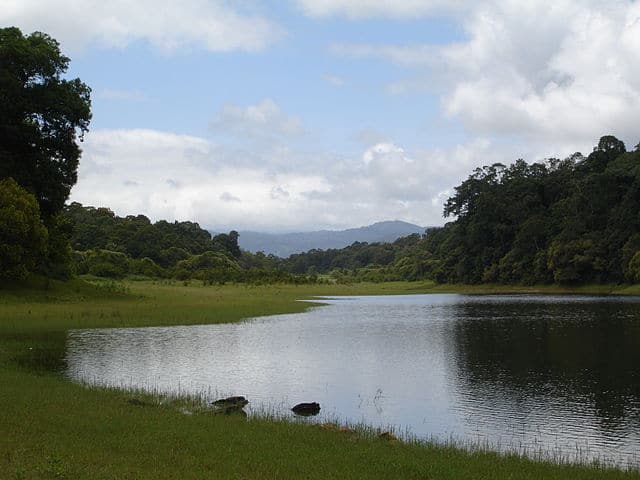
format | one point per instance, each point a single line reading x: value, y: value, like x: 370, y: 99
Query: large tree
x: 42, y: 117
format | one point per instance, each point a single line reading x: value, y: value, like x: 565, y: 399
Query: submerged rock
x: 306, y: 409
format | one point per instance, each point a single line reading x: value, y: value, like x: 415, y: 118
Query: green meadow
x: 51, y: 428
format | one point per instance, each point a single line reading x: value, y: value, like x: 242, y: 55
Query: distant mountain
x: 286, y: 244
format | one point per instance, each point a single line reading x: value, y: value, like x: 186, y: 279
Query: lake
x: 551, y: 375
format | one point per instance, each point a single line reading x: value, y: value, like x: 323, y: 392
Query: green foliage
x: 41, y: 114
x: 163, y: 242
x: 634, y: 268
x: 356, y: 256
x: 102, y: 263
x: 52, y: 427
x: 23, y: 237
x: 571, y: 221
x: 146, y: 267
x: 57, y: 264
x: 211, y: 267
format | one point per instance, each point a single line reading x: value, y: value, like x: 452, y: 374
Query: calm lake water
x: 552, y: 374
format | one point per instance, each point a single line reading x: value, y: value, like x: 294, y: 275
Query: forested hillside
x: 575, y: 220
x: 163, y: 242
x: 567, y: 221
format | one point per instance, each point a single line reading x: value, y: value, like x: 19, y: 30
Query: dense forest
x: 107, y: 245
x: 567, y: 221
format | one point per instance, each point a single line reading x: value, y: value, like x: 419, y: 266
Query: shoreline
x: 69, y: 424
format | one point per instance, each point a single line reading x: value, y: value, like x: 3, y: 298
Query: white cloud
x: 168, y: 176
x: 121, y: 95
x: 228, y: 197
x: 264, y: 119
x: 334, y: 80
x: 549, y: 72
x: 164, y: 175
x: 376, y: 8
x: 565, y: 72
x: 167, y: 25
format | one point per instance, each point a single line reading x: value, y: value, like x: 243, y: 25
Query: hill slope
x: 286, y: 244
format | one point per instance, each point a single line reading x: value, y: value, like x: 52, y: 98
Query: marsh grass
x: 51, y: 428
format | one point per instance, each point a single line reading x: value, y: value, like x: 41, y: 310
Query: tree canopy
x: 23, y: 237
x: 42, y: 117
x: 565, y: 221
x: 569, y: 221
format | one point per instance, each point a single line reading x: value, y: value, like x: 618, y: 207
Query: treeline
x: 42, y: 116
x: 361, y: 261
x: 107, y: 245
x: 163, y: 242
x: 569, y: 221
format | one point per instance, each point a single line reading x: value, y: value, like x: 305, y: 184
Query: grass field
x: 51, y: 428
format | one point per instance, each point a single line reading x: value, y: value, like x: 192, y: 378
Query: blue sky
x: 301, y: 114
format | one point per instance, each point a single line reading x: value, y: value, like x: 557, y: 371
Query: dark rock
x: 237, y: 402
x: 306, y: 409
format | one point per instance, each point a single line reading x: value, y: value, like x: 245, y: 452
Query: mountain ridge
x: 285, y: 244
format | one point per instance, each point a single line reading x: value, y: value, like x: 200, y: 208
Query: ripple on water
x: 534, y: 374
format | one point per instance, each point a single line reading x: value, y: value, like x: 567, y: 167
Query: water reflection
x: 559, y: 374
x: 561, y: 365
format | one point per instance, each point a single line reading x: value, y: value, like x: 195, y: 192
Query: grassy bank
x: 52, y: 428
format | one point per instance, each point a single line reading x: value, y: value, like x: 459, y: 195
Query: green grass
x: 51, y: 428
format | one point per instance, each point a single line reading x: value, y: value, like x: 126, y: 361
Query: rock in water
x: 306, y: 409
x: 234, y: 402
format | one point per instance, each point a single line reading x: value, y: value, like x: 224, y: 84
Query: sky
x: 301, y: 115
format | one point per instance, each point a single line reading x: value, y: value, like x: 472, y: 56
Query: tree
x: 42, y: 116
x: 23, y: 237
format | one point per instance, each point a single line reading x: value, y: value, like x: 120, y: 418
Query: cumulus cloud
x: 560, y: 72
x: 167, y: 25
x: 188, y: 178
x: 530, y: 80
x: 169, y: 176
x: 228, y: 197
x: 264, y: 119
x: 278, y: 192
x: 565, y: 72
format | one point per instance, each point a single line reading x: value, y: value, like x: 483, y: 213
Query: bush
x: 104, y: 263
x: 633, y: 271
x: 147, y: 267
x: 23, y: 237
